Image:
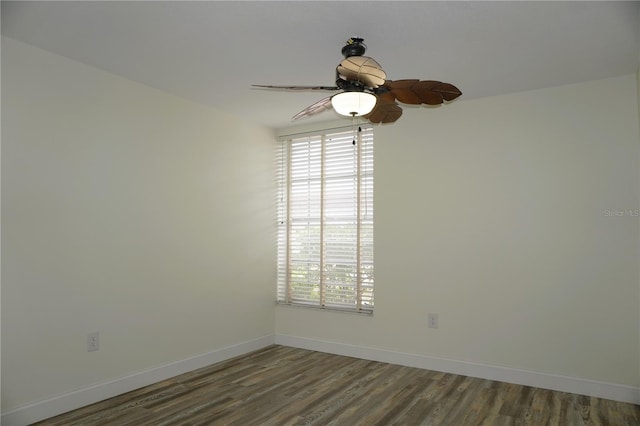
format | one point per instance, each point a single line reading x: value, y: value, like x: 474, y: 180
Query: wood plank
x: 280, y: 385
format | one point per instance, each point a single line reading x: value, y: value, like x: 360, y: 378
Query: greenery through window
x: 325, y: 220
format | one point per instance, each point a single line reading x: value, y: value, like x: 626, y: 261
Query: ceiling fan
x: 365, y: 91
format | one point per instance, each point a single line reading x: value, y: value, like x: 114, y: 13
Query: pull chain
x: 353, y: 126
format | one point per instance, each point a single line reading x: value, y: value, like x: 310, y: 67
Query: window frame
x: 346, y: 283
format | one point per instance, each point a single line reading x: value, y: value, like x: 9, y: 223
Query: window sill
x: 326, y: 308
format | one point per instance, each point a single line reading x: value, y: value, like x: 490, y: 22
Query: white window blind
x: 325, y: 220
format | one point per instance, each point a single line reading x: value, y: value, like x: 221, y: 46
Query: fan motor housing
x: 349, y: 86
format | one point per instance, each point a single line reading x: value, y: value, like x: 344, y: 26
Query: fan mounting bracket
x: 355, y: 47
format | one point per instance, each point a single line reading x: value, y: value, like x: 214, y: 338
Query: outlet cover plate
x: 433, y: 320
x: 93, y: 342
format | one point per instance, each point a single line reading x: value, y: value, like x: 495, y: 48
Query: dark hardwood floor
x: 280, y: 385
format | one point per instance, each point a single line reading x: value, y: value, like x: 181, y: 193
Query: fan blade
x: 363, y: 69
x: 400, y: 84
x: 386, y: 109
x: 428, y: 92
x: 318, y: 107
x: 448, y: 91
x: 296, y: 88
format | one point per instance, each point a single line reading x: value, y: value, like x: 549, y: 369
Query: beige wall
x: 499, y: 215
x: 125, y: 211
x: 638, y: 88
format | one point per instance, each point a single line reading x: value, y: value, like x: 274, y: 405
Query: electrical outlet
x: 93, y: 342
x: 433, y: 320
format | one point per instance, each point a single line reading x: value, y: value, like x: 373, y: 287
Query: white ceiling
x: 212, y: 51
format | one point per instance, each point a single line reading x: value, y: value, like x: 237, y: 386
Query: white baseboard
x: 79, y: 398
x: 616, y: 392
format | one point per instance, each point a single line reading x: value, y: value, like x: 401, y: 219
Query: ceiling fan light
x: 353, y: 103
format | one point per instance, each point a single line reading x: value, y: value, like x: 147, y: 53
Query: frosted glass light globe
x: 353, y: 103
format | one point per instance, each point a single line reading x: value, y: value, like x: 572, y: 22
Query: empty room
x: 320, y: 212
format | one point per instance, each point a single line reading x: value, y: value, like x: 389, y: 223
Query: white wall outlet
x: 433, y: 320
x: 93, y: 342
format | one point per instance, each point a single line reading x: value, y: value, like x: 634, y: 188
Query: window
x: 325, y: 220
